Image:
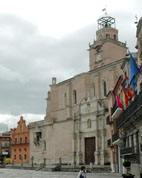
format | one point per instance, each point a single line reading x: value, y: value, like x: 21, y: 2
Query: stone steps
x: 63, y: 168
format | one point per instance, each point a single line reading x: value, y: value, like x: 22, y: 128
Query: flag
x: 130, y: 92
x: 118, y: 102
x: 134, y: 70
x: 125, y: 96
x: 126, y: 77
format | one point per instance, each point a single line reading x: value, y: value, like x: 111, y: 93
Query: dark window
x: 25, y: 156
x: 26, y: 140
x: 38, y: 136
x: 74, y: 97
x: 25, y: 149
x: 115, y: 37
x: 14, y: 157
x: 98, y: 49
x: 20, y: 149
x: 14, y: 150
x: 105, y: 88
x: 137, y: 142
x: 19, y: 157
x: 132, y: 141
x: 128, y: 145
x: 20, y: 140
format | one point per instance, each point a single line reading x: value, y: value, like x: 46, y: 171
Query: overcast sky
x: 41, y: 39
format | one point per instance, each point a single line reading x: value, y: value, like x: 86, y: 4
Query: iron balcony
x: 130, y: 111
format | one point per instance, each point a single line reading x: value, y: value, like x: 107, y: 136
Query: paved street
x: 16, y: 173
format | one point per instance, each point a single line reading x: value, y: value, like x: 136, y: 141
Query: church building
x: 74, y: 130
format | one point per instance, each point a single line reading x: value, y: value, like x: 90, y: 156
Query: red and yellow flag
x: 118, y: 102
x: 130, y: 91
x: 125, y: 96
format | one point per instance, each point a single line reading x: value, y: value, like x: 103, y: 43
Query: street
x: 17, y: 173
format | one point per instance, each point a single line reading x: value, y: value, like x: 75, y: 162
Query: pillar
x: 74, y: 151
x: 79, y: 154
x: 102, y: 150
x: 97, y: 151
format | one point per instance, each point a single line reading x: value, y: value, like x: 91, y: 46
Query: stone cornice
x: 109, y: 66
x: 46, y: 123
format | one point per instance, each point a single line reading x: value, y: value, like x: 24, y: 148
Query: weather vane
x: 104, y: 10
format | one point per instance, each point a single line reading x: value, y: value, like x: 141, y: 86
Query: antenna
x: 136, y: 19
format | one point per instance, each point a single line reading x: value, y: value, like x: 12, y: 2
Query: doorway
x: 90, y: 148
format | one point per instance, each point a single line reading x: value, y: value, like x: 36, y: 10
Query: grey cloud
x: 3, y: 127
x: 7, y: 74
x: 29, y: 60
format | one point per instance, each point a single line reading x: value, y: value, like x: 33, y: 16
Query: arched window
x: 65, y: 99
x: 93, y: 89
x: 104, y: 88
x: 89, y: 123
x: 74, y: 97
x: 115, y: 37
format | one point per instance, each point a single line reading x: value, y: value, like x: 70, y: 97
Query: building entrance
x: 89, y: 150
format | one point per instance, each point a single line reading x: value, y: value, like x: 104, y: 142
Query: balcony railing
x: 126, y: 115
x: 127, y: 151
x: 19, y: 143
x: 5, y: 146
x: 115, y: 137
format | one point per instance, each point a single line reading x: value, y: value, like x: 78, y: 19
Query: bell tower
x: 106, y: 48
x: 106, y: 28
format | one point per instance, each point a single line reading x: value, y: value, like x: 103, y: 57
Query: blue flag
x: 134, y: 70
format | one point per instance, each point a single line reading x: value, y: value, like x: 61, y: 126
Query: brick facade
x: 20, y: 143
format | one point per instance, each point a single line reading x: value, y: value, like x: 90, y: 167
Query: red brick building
x: 20, y: 143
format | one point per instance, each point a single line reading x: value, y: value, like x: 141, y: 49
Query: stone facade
x: 139, y: 40
x: 20, y: 143
x: 74, y: 130
x: 126, y: 126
